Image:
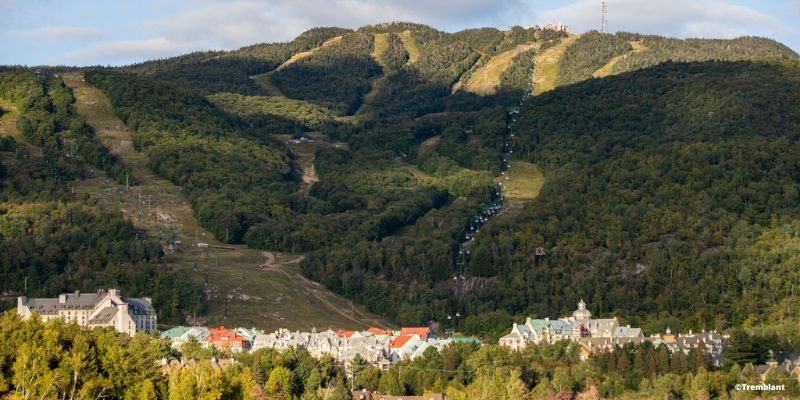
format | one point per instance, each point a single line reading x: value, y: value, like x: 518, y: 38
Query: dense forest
x: 667, y: 193
x: 668, y: 198
x: 652, y: 185
x: 218, y: 71
x: 52, y: 240
x: 56, y: 360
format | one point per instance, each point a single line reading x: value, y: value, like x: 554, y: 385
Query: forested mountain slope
x: 660, y: 180
x: 661, y: 186
x: 52, y: 240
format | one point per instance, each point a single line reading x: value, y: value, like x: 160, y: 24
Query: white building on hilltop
x: 102, y: 309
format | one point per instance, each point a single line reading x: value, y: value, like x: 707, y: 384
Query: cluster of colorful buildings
x: 379, y: 347
x: 601, y: 335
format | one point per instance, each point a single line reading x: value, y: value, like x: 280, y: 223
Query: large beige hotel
x: 106, y: 308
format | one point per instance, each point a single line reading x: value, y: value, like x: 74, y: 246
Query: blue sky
x: 117, y: 32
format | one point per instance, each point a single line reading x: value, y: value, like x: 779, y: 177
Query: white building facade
x: 106, y: 308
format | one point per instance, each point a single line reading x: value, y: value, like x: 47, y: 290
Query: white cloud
x: 682, y: 18
x: 241, y: 22
x: 208, y: 24
x: 127, y: 51
x: 54, y: 33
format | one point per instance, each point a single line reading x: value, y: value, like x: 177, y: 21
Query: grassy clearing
x: 411, y: 46
x: 379, y: 47
x: 608, y: 69
x: 8, y: 121
x: 547, y: 64
x: 523, y: 184
x: 486, y: 80
x: 267, y: 298
x: 302, y: 111
x: 524, y: 181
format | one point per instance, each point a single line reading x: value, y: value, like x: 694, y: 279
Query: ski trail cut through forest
x: 608, y: 69
x: 226, y: 265
x: 547, y: 64
x: 265, y: 81
x: 411, y: 47
x: 486, y: 80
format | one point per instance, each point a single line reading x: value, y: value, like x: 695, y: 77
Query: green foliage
x: 56, y: 360
x: 336, y: 76
x: 218, y: 71
x: 150, y: 106
x: 395, y: 54
x: 588, y: 54
x: 267, y: 113
x: 518, y: 75
x: 60, y: 258
x: 394, y: 27
x: 443, y: 58
x: 655, y: 195
x: 661, y: 49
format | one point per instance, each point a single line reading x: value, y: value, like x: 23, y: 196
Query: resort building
x: 106, y: 308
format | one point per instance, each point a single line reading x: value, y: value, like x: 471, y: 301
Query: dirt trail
x: 486, y: 80
x: 608, y: 69
x: 547, y: 65
x: 264, y: 79
x: 349, y: 312
x: 169, y: 210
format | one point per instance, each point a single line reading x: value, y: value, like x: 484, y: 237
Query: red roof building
x: 345, y: 334
x: 223, y: 339
x: 400, y: 341
x: 379, y: 332
x: 423, y: 332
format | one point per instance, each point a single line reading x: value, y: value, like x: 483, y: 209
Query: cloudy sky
x: 117, y: 32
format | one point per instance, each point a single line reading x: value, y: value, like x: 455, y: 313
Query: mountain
x: 654, y: 173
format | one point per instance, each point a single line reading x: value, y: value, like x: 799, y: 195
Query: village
x: 381, y: 348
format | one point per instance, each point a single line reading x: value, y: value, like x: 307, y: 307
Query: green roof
x: 463, y: 339
x: 174, y: 332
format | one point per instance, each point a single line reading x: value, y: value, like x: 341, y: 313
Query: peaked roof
x: 379, y: 332
x: 174, y: 332
x: 400, y: 341
x: 216, y: 334
x: 422, y: 332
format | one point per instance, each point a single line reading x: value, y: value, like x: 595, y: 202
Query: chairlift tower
x: 603, y: 17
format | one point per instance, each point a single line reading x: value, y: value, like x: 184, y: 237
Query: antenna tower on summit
x: 603, y: 18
